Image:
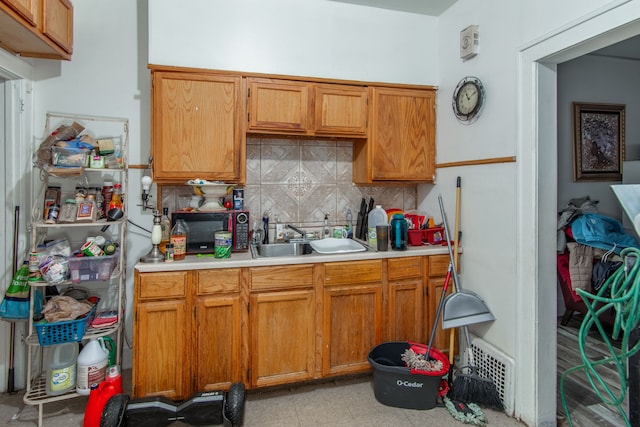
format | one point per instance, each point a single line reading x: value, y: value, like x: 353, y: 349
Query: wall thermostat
x: 469, y: 42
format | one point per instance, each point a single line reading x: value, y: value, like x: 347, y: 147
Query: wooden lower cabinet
x: 184, y: 344
x: 265, y: 326
x: 217, y: 349
x: 352, y: 307
x: 282, y: 337
x: 161, y: 336
x: 407, y: 299
x: 281, y: 325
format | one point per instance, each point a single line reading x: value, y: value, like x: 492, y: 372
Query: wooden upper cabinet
x: 197, y: 128
x: 306, y: 108
x: 37, y: 28
x: 57, y: 22
x: 28, y: 9
x: 278, y: 105
x: 401, y: 144
x: 341, y: 109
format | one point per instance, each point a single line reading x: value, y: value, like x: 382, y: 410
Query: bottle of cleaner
x: 92, y: 364
x: 349, y: 224
x: 100, y: 395
x: 378, y: 216
x: 61, y: 368
x: 326, y: 231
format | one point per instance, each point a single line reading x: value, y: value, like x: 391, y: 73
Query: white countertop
x: 244, y: 259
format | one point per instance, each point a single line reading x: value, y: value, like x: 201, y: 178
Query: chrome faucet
x: 297, y: 230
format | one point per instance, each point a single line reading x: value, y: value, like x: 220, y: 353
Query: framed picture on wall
x: 598, y: 141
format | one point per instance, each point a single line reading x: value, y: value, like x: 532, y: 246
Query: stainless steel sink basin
x: 281, y: 249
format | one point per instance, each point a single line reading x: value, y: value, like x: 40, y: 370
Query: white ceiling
x: 423, y: 7
x: 628, y: 49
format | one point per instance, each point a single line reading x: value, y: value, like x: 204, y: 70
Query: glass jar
x: 398, y: 231
x: 69, y: 211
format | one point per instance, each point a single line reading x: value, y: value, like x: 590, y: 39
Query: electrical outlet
x: 469, y: 42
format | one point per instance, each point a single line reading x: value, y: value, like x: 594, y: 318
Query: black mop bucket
x: 394, y: 384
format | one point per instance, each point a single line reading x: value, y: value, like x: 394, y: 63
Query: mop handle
x: 447, y: 279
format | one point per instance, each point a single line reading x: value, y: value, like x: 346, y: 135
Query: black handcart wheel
x: 234, y: 404
x: 114, y: 410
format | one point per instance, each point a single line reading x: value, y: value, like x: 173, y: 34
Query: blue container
x: 399, y: 235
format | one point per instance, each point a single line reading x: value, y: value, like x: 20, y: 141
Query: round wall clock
x: 468, y: 99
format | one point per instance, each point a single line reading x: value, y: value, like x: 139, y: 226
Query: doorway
x: 15, y: 186
x: 537, y: 193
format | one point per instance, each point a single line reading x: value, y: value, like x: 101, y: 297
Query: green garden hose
x: 624, y: 299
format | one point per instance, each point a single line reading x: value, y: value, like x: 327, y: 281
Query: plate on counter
x: 332, y: 245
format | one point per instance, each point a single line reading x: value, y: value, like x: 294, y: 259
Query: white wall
x: 600, y: 80
x: 107, y: 76
x: 498, y: 211
x: 314, y: 38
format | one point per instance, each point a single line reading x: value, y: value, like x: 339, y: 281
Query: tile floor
x: 344, y: 402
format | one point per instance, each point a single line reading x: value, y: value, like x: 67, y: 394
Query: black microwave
x: 202, y: 225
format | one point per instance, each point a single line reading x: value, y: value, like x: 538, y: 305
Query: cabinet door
x: 278, y: 105
x: 352, y: 327
x: 57, y: 22
x: 197, y: 130
x: 282, y: 337
x: 28, y: 9
x: 341, y: 110
x: 406, y: 311
x: 161, y: 350
x: 218, y: 339
x: 407, y: 299
x: 401, y: 144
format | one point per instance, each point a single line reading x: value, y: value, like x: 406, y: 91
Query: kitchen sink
x: 281, y: 249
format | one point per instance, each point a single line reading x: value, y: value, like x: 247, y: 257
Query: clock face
x: 468, y: 98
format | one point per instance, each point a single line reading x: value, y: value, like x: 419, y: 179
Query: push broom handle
x: 452, y: 333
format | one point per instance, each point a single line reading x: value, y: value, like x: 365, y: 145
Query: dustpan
x: 463, y: 307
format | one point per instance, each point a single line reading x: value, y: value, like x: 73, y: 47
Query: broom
x: 468, y: 386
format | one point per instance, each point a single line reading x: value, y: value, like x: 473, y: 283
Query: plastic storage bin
x: 86, y: 268
x: 395, y: 385
x: 67, y: 331
x: 69, y: 157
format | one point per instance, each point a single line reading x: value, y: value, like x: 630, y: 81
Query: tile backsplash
x: 299, y: 181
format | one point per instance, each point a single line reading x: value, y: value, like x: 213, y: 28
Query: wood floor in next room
x: 585, y: 407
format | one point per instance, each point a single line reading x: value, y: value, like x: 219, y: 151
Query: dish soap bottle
x: 349, y: 225
x: 326, y: 231
x: 165, y: 226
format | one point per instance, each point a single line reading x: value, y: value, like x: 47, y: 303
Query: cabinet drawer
x: 438, y: 265
x: 163, y: 285
x: 218, y: 280
x: 404, y: 268
x: 346, y: 273
x: 281, y: 277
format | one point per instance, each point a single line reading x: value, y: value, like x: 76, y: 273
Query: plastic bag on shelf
x: 15, y: 304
